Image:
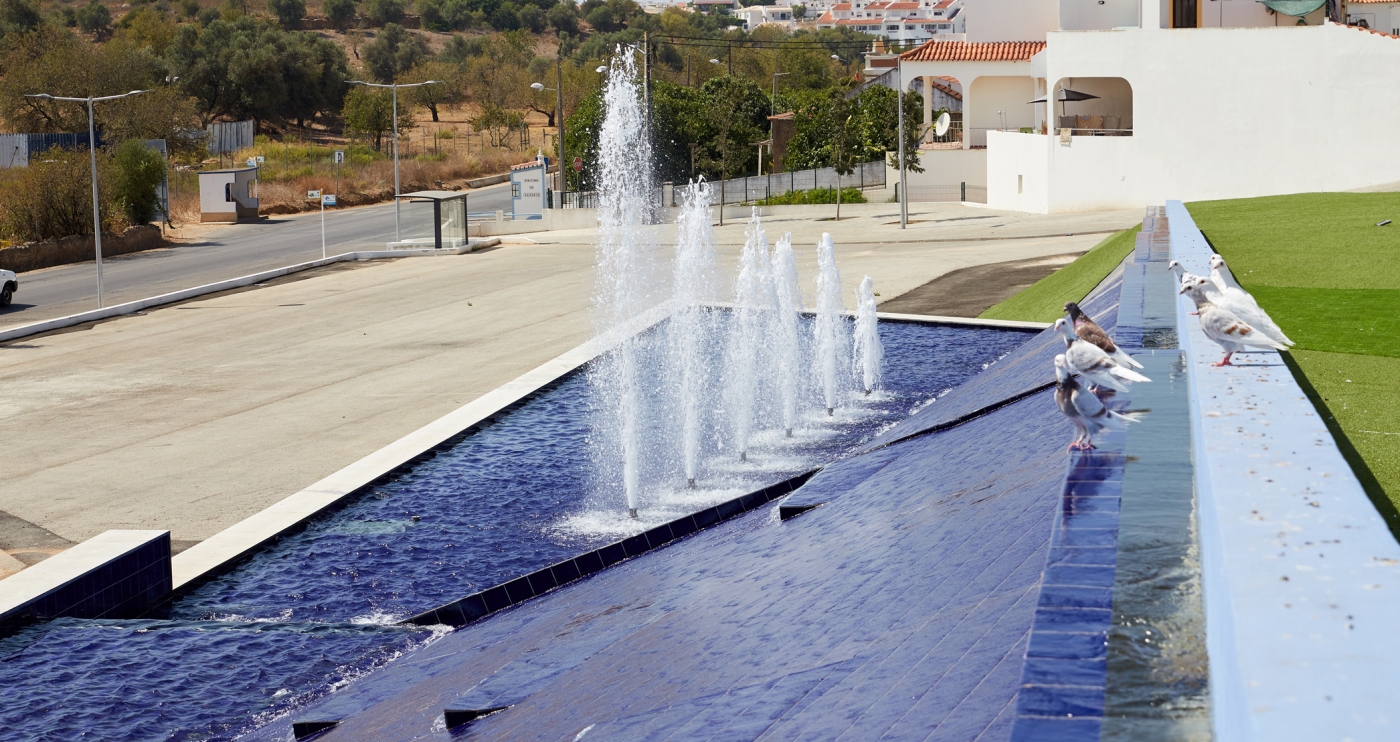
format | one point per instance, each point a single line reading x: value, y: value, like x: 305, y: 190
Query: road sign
x: 328, y: 199
x: 339, y: 156
x: 252, y: 162
x: 578, y: 164
x: 260, y: 159
x: 312, y: 195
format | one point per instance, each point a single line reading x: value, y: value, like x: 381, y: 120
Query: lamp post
x: 92, y: 155
x: 395, y: 87
x: 559, y: 126
x: 899, y: 103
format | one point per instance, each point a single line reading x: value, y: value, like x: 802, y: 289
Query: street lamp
x: 395, y: 87
x: 92, y: 155
x: 559, y: 124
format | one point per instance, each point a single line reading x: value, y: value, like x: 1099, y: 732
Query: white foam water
x: 869, y: 353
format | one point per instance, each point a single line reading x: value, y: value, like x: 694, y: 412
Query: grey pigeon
x: 1084, y: 409
x: 1092, y: 363
x: 1089, y: 330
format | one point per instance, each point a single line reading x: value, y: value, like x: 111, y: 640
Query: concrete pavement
x: 194, y: 416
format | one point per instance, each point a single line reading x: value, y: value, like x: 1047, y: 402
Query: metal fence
x: 757, y: 187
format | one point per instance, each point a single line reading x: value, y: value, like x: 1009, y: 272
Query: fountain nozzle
x: 830, y: 411
x: 743, y: 455
x: 789, y: 432
x: 690, y: 483
x: 632, y: 513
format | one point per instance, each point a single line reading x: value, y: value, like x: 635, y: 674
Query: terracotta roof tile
x: 827, y: 17
x: 963, y: 51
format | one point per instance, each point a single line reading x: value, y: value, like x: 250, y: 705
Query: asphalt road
x: 227, y: 252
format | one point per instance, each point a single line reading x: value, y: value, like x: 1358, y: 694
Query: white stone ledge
x: 1300, y: 573
x: 62, y: 569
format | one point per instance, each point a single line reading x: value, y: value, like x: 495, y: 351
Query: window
x: 1020, y: 182
x: 515, y: 190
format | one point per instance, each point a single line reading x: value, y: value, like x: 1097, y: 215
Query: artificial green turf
x: 1330, y: 278
x: 1361, y: 395
x: 1308, y: 240
x: 1044, y: 301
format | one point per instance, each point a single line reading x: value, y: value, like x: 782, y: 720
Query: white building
x: 1206, y: 99
x: 915, y: 21
x: 770, y: 15
x: 1377, y: 14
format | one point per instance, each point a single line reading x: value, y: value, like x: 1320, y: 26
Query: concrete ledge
x: 1301, y: 576
x: 132, y: 307
x: 224, y: 549
x: 934, y: 319
x: 116, y: 574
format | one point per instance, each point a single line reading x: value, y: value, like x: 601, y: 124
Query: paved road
x: 228, y: 252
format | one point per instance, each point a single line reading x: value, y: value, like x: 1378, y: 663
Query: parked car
x: 9, y: 284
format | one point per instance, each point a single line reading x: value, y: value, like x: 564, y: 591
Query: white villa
x: 1204, y: 99
x: 914, y: 21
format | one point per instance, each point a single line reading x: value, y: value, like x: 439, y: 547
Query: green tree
x: 93, y: 17
x: 137, y: 173
x: 289, y: 12
x: 53, y: 60
x: 53, y: 197
x: 394, y: 51
x: 384, y: 12
x: 532, y: 18
x: 369, y: 112
x: 250, y: 68
x: 448, y: 91
x: 563, y: 18
x: 18, y: 17
x: 505, y: 17
x: 340, y: 13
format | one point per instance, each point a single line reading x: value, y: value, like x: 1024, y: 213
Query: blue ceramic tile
x: 1076, y: 596
x: 1059, y: 574
x: 1067, y: 646
x: 1072, y: 619
x: 1047, y: 671
x: 1030, y: 729
x: 1061, y: 700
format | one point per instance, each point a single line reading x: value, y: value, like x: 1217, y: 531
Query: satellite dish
x: 941, y: 126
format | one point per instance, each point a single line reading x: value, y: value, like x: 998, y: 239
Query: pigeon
x: 1233, y: 334
x: 1084, y: 409
x: 1089, y: 330
x: 1241, y: 302
x: 1182, y: 275
x: 1089, y: 360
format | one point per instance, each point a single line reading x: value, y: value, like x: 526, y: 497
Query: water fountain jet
x: 831, y: 335
x: 869, y: 353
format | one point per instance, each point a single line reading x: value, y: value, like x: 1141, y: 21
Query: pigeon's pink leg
x: 1224, y: 361
x: 1193, y: 314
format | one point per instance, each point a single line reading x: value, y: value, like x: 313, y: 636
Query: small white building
x: 1380, y: 15
x: 765, y: 15
x: 527, y: 195
x: 228, y: 195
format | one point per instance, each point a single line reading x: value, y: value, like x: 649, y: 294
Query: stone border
x: 1301, y: 576
x: 131, y: 307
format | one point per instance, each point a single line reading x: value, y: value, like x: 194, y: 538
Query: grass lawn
x: 1331, y: 279
x: 1044, y: 301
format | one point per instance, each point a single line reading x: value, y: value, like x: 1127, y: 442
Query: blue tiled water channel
x: 315, y: 611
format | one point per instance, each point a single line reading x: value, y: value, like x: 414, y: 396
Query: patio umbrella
x: 1065, y: 94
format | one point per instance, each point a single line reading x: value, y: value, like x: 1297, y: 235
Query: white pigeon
x: 1089, y: 360
x: 1084, y: 409
x: 1182, y: 275
x: 1233, y: 334
x: 1241, y: 302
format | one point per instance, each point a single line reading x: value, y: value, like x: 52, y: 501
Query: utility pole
x: 559, y: 128
x: 395, y: 87
x: 731, y: 59
x: 899, y: 101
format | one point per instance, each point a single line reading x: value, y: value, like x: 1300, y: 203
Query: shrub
x: 53, y: 196
x: 339, y: 12
x: 815, y: 196
x: 93, y: 17
x: 137, y: 173
x: 288, y: 12
x: 384, y: 12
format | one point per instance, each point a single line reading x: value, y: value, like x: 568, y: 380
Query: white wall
x: 945, y: 167
x: 1088, y: 15
x: 1228, y: 113
x: 1010, y: 20
x: 987, y: 95
x: 1017, y: 171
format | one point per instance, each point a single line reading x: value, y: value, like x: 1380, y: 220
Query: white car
x: 9, y: 284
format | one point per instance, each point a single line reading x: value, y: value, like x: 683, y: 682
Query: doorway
x: 1185, y: 14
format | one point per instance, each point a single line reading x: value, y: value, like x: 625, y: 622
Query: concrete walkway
x: 193, y: 417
